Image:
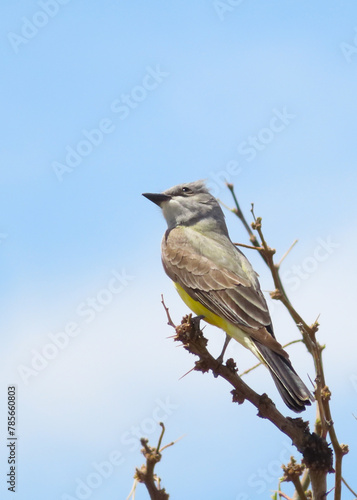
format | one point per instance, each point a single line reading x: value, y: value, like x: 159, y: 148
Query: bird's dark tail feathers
x: 292, y: 389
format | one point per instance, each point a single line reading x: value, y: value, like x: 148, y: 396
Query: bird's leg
x: 196, y: 324
x: 196, y: 320
x: 225, y: 345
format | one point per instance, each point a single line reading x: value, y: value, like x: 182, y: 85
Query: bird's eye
x: 186, y: 190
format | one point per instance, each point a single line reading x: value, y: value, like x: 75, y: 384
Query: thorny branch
x: 316, y: 452
x: 324, y: 422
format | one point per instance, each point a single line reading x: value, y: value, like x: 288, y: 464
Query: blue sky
x: 102, y: 101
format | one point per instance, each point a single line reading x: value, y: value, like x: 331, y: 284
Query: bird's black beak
x: 157, y: 198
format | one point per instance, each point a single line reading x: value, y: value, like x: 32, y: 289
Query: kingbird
x: 216, y: 280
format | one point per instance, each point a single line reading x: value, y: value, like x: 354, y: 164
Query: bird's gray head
x: 189, y: 204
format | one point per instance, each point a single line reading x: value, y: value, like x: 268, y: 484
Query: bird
x: 216, y: 281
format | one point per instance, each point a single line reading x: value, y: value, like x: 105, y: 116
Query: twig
x: 349, y: 487
x: 161, y: 436
x: 286, y: 254
x: 132, y: 491
x: 281, y: 494
x: 169, y: 320
x: 238, y: 212
x: 260, y: 363
x: 299, y: 489
x: 247, y: 246
x: 169, y: 444
x: 248, y: 370
x: 305, y: 481
x: 292, y: 473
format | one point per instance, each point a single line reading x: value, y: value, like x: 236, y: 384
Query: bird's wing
x: 232, y: 296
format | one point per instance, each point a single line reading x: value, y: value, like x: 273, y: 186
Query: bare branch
x: 316, y: 453
x: 146, y: 473
x: 325, y: 423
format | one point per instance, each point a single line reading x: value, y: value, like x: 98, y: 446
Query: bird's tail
x: 292, y: 389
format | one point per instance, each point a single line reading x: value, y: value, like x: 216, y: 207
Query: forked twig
x: 146, y: 474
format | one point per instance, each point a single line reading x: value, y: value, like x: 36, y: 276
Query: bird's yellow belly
x: 199, y: 309
x: 212, y: 318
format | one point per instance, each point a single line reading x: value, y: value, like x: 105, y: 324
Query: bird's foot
x: 219, y: 360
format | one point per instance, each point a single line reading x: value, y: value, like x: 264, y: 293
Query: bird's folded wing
x: 229, y: 295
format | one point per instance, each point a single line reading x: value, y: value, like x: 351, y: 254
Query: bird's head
x: 188, y: 204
